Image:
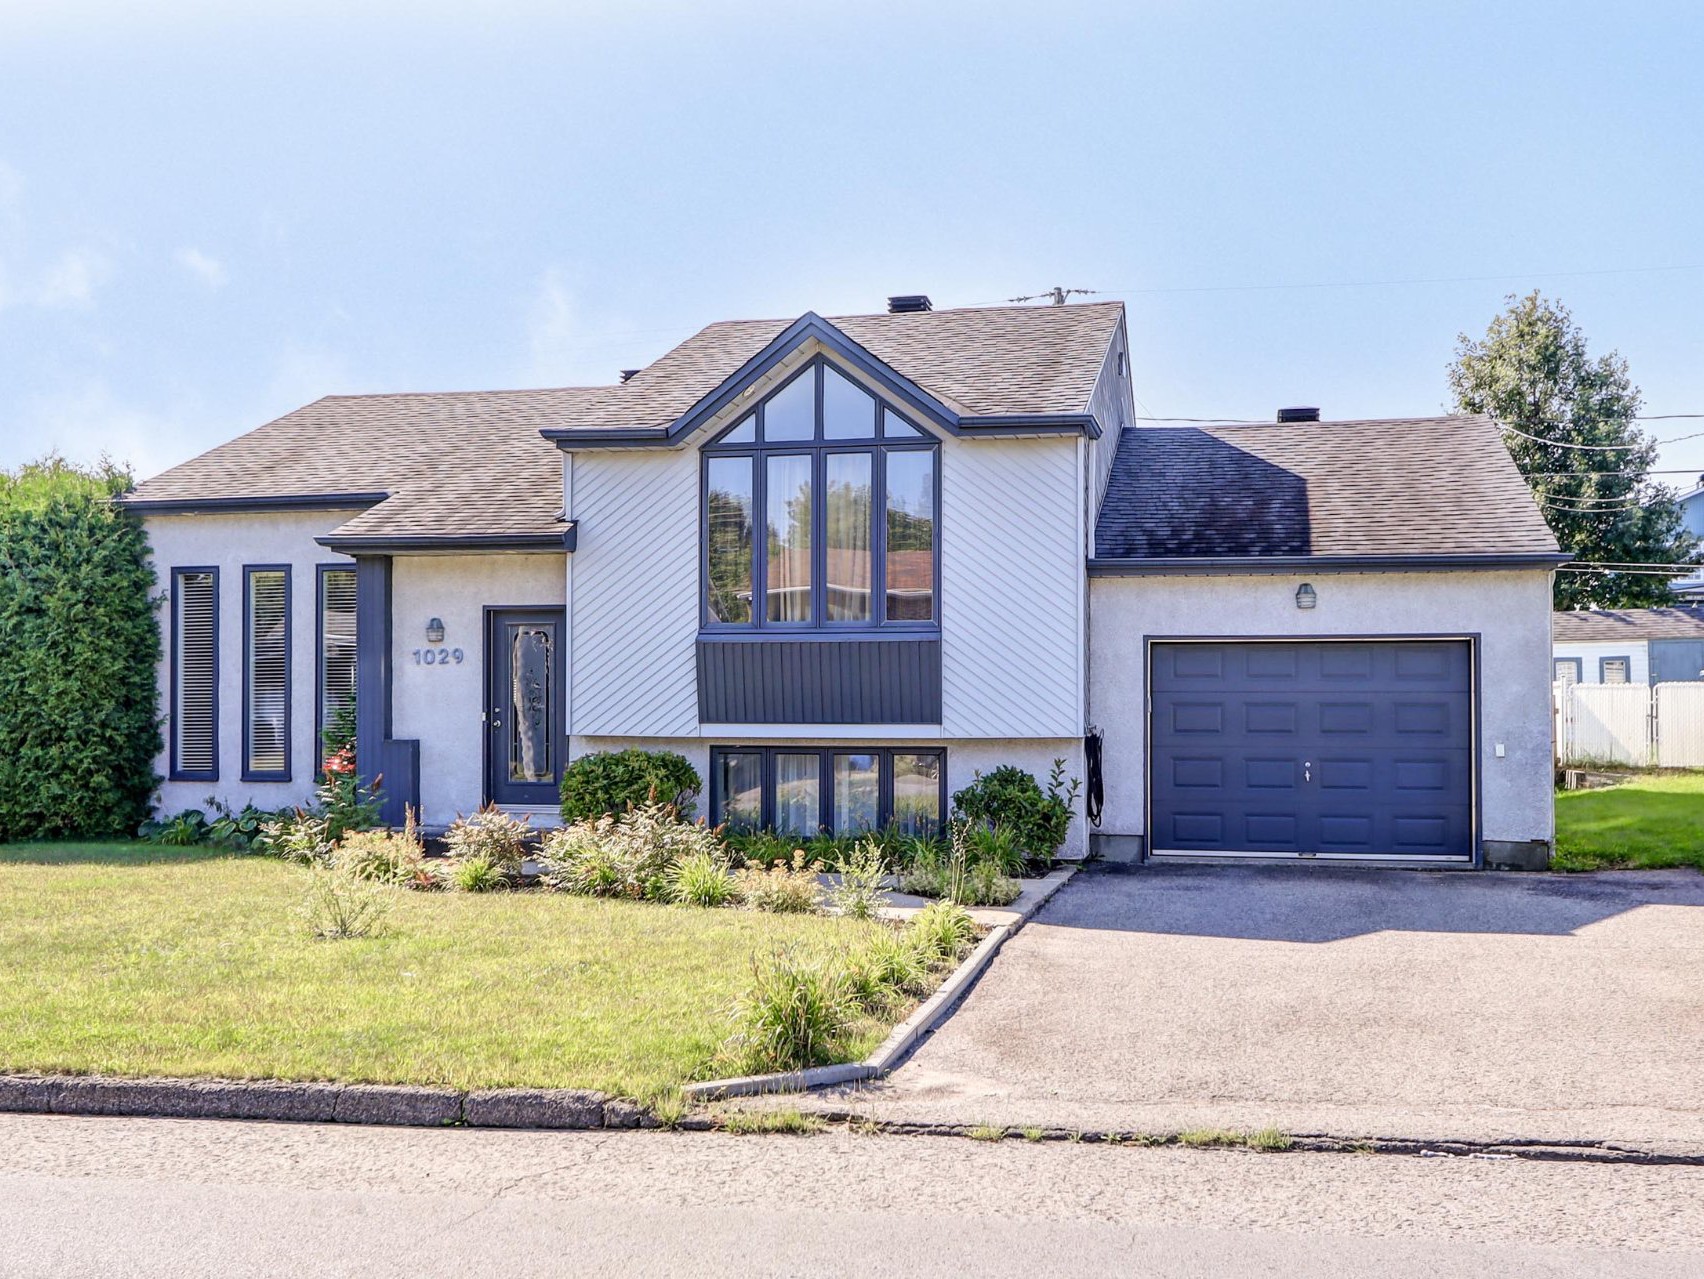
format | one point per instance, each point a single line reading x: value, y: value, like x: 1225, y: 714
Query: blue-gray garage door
x: 1353, y: 749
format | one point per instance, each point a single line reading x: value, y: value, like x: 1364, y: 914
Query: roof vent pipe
x: 1301, y: 413
x: 909, y: 303
x: 627, y: 375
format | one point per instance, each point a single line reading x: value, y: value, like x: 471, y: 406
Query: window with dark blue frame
x: 195, y: 674
x: 800, y: 790
x: 266, y: 673
x: 821, y: 510
x: 334, y: 691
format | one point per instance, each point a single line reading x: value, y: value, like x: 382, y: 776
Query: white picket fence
x: 1661, y: 725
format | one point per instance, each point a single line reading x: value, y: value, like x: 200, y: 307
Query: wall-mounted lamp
x: 435, y: 631
x: 1306, y: 596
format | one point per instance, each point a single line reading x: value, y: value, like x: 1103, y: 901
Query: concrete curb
x: 904, y: 1037
x: 394, y: 1104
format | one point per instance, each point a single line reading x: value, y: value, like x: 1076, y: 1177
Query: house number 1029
x: 438, y: 656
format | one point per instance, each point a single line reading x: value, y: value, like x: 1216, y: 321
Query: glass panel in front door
x: 532, y: 685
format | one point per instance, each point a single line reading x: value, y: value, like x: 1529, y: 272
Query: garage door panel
x: 1353, y: 749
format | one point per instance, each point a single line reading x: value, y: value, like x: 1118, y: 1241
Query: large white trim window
x: 821, y: 510
x: 195, y: 675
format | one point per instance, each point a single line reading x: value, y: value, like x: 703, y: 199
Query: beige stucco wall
x: 965, y: 758
x: 228, y: 542
x: 1509, y: 611
x: 441, y: 705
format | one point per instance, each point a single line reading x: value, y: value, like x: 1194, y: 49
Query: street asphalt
x: 1485, y: 1007
x: 188, y: 1198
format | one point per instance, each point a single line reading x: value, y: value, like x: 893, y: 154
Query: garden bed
x: 140, y: 960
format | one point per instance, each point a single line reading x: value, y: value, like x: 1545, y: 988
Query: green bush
x: 890, y: 967
x: 701, y: 879
x: 797, y: 1012
x: 478, y: 873
x: 1011, y: 799
x: 942, y: 931
x: 79, y: 647
x: 608, y: 783
x: 863, y: 877
x: 627, y: 856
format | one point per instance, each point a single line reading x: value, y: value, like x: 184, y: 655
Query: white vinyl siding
x: 1012, y: 585
x: 266, y: 673
x: 335, y: 692
x: 195, y: 673
x: 634, y: 594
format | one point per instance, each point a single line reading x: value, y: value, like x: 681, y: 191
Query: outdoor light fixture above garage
x: 435, y: 631
x: 1306, y: 596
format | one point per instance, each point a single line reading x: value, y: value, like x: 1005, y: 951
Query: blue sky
x: 210, y: 217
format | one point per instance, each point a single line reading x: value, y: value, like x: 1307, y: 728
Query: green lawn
x: 137, y: 960
x: 1655, y: 819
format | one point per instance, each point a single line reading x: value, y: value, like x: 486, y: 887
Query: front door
x: 524, y: 743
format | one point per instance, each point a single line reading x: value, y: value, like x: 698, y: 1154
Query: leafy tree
x: 79, y: 647
x: 1533, y: 374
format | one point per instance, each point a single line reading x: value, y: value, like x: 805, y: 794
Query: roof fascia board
x: 807, y: 326
x: 237, y: 505
x: 445, y: 543
x: 1289, y: 564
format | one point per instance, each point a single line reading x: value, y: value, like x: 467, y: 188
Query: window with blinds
x: 336, y: 651
x: 195, y: 674
x: 266, y: 674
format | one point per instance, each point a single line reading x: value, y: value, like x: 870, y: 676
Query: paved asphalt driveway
x: 1322, y: 1000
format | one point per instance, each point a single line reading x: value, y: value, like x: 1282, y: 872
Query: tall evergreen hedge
x: 79, y: 644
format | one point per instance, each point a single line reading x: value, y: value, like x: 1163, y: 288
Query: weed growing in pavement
x: 796, y: 1122
x: 986, y: 1132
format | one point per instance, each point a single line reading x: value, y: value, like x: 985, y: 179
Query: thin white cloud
x: 89, y: 423
x: 70, y: 283
x: 204, y: 267
x: 551, y: 328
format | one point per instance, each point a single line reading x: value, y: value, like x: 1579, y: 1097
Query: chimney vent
x: 627, y: 375
x: 1300, y: 413
x: 909, y: 304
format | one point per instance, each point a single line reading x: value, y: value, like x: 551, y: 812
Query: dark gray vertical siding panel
x: 372, y: 663
x: 819, y: 681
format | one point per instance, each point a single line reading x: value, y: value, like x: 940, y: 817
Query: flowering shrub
x: 632, y: 855
x: 492, y: 834
x: 786, y: 888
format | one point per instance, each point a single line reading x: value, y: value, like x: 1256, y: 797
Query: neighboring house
x: 1692, y: 514
x: 842, y: 565
x: 1629, y: 646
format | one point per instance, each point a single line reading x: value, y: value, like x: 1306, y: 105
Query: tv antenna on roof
x: 1056, y: 295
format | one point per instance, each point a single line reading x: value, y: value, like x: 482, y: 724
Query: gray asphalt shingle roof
x: 1403, y: 487
x: 1599, y: 625
x: 473, y: 463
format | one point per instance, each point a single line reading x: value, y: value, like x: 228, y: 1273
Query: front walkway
x: 1483, y: 1007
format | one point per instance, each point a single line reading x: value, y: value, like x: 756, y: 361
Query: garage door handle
x: 1307, y: 770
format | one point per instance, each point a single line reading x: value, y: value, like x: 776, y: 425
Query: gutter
x: 1222, y: 565
x: 238, y: 505
x: 450, y: 543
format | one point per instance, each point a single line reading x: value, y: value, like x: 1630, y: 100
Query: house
x: 844, y: 564
x: 1692, y: 516
x: 1629, y: 646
